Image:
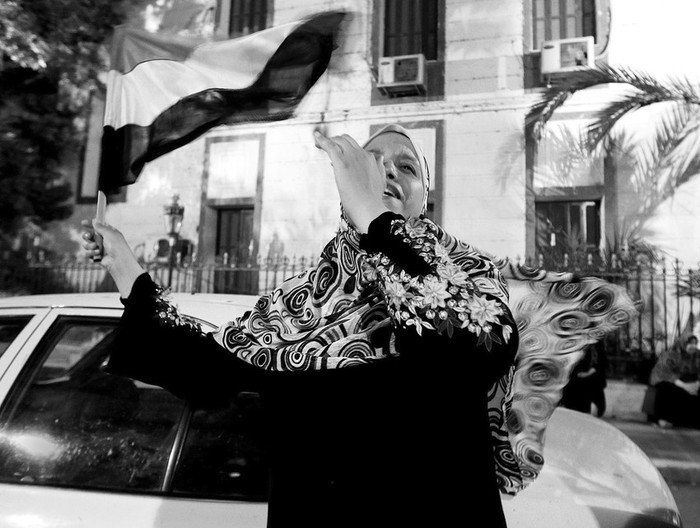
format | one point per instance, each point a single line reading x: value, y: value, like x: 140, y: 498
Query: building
x: 476, y: 66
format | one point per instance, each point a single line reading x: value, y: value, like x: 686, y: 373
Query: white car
x: 81, y: 448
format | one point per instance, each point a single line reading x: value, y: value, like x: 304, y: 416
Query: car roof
x: 216, y: 308
x: 112, y: 300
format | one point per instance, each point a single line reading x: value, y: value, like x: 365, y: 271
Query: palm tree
x: 673, y: 150
x: 660, y: 164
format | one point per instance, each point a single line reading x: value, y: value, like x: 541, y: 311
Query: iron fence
x: 669, y: 297
x: 257, y: 277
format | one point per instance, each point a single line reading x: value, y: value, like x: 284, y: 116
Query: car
x: 82, y: 448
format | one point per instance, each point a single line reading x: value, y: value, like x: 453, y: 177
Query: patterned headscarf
x: 334, y: 316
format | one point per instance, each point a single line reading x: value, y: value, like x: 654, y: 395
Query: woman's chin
x: 393, y: 204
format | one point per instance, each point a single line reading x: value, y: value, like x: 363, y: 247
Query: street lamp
x: 173, y: 214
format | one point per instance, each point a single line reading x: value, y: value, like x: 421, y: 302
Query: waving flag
x: 165, y: 91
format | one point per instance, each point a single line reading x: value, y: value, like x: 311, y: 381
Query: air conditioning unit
x: 402, y: 75
x: 567, y: 55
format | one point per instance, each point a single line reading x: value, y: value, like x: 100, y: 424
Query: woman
x: 676, y: 378
x: 385, y: 369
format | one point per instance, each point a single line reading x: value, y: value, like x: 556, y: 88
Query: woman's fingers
x: 337, y: 147
x: 325, y: 143
x: 350, y: 142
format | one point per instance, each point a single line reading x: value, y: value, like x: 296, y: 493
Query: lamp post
x: 173, y: 214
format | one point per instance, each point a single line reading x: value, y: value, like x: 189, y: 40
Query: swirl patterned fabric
x: 334, y: 315
x: 558, y: 316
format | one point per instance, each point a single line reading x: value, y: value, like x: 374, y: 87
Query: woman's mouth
x: 392, y: 192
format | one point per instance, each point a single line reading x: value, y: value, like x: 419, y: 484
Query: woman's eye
x: 408, y: 168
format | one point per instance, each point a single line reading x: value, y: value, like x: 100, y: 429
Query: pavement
x: 674, y: 451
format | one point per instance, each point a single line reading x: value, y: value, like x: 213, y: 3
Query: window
x: 569, y: 195
x: 567, y: 227
x: 223, y: 455
x: 410, y: 26
x: 69, y: 423
x: 559, y: 19
x: 10, y: 327
x: 242, y: 16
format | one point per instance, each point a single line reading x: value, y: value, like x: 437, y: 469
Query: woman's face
x: 404, y: 181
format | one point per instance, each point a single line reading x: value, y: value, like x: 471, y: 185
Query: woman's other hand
x: 360, y: 179
x: 117, y: 257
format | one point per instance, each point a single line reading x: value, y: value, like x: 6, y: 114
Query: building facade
x: 473, y: 70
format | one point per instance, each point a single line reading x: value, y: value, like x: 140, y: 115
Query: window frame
x: 224, y: 13
x: 434, y: 68
x: 209, y: 212
x: 51, y: 329
x: 576, y: 196
x: 582, y: 9
x: 39, y: 354
x: 421, y: 9
x: 532, y: 78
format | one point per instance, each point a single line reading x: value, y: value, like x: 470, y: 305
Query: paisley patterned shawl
x: 558, y: 317
x: 334, y: 316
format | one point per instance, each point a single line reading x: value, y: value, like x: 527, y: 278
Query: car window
x: 10, y: 327
x: 224, y: 454
x: 68, y: 422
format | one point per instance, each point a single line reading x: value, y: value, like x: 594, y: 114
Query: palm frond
x: 606, y: 118
x: 556, y: 95
x: 663, y: 162
x: 627, y: 245
x: 648, y: 91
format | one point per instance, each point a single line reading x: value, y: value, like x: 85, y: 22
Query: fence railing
x: 255, y: 278
x: 669, y: 296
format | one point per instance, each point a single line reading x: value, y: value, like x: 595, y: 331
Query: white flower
x: 452, y: 273
x: 414, y: 228
x: 396, y: 292
x: 434, y: 292
x: 484, y: 311
x: 441, y: 252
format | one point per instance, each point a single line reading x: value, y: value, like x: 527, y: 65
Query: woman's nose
x: 389, y: 168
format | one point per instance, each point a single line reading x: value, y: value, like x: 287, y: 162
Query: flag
x: 164, y: 91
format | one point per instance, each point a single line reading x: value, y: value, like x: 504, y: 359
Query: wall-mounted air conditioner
x: 567, y: 55
x: 402, y: 75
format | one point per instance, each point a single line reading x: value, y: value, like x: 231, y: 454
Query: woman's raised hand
x: 359, y: 177
x: 116, y: 255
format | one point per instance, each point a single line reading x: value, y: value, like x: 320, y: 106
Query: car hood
x: 594, y: 475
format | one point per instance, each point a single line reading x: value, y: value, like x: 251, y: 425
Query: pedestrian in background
x: 676, y: 380
x: 585, y: 390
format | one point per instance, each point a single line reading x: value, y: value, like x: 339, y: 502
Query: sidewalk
x: 675, y: 452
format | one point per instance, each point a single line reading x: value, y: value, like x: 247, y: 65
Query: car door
x: 80, y: 447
